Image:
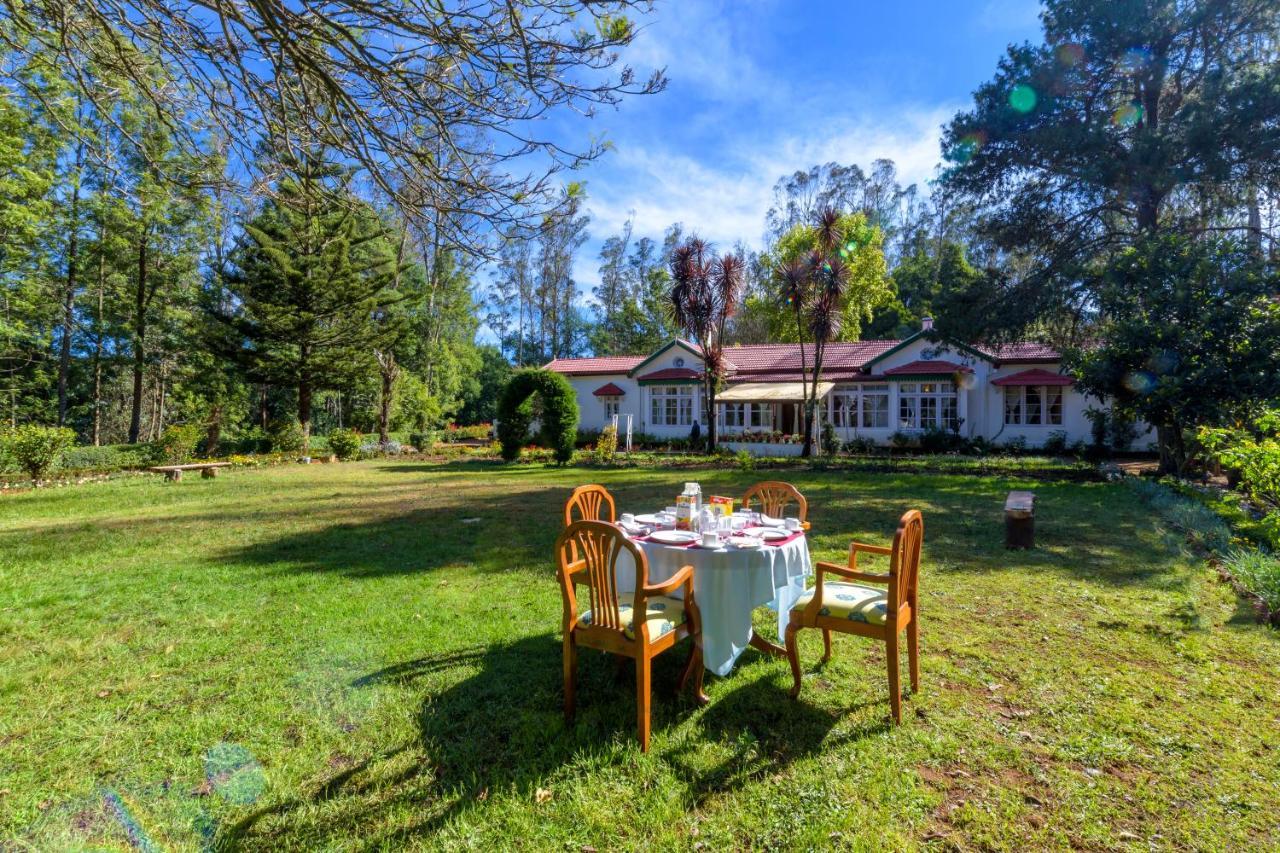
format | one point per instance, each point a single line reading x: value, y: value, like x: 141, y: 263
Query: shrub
x: 903, y: 440
x: 108, y: 457
x: 1258, y: 572
x: 1056, y: 443
x: 176, y: 444
x: 345, y: 443
x: 37, y: 449
x: 287, y: 437
x: 474, y: 432
x: 936, y: 440
x: 745, y: 461
x: 252, y: 440
x: 1015, y: 445
x: 860, y: 445
x: 830, y: 441
x: 607, y: 444
x: 559, y: 413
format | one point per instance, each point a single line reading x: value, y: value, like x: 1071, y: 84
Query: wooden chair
x: 590, y: 503
x: 857, y: 608
x: 609, y: 624
x: 774, y: 497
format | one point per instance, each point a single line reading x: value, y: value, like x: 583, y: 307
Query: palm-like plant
x: 815, y: 288
x: 705, y: 292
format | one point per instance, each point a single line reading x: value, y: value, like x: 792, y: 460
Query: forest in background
x: 344, y: 241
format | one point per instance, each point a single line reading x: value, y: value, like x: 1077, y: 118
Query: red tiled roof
x: 608, y: 390
x: 669, y: 373
x: 1034, y: 377
x: 928, y: 368
x: 600, y: 364
x: 1022, y: 351
x: 781, y: 362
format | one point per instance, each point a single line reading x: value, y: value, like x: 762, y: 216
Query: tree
x: 1131, y: 118
x: 1189, y: 337
x: 944, y: 286
x: 309, y: 274
x: 705, y: 292
x: 389, y: 85
x: 830, y: 275
x: 484, y: 386
x: 558, y: 415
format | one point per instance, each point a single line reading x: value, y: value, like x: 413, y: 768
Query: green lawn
x: 366, y: 656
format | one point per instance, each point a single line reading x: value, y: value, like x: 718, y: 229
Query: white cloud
x: 724, y: 197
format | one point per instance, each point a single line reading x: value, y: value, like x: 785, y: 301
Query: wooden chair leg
x: 895, y: 689
x: 826, y: 644
x: 570, y: 674
x: 913, y: 654
x: 793, y: 655
x: 699, y: 670
x: 643, y: 665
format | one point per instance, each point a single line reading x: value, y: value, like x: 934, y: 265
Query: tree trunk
x: 213, y: 432
x: 712, y: 434
x: 389, y: 369
x: 139, y: 340
x: 1169, y: 442
x: 69, y: 295
x: 97, y: 343
x: 264, y: 412
x: 304, y: 411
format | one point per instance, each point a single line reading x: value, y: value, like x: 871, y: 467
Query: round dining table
x: 728, y: 584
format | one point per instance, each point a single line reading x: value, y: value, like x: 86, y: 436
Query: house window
x: 864, y: 407
x: 875, y: 407
x: 610, y: 407
x: 746, y: 415
x: 1033, y: 405
x: 671, y: 405
x: 927, y: 405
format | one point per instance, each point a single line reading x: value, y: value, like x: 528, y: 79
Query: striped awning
x: 770, y: 392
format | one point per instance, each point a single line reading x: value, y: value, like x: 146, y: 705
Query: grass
x: 365, y: 656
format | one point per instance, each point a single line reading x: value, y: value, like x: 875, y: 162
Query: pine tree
x: 308, y: 277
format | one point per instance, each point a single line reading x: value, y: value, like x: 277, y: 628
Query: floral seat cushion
x: 664, y: 616
x: 851, y: 601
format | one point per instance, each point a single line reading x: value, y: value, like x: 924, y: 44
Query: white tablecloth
x: 728, y: 584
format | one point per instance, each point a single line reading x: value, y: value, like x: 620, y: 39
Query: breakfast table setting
x: 741, y: 560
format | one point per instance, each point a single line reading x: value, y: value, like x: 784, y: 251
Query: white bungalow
x: 869, y: 389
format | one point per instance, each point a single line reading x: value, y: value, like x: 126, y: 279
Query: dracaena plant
x: 706, y: 289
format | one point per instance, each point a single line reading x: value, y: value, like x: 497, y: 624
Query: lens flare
x: 1135, y: 59
x: 968, y: 146
x: 1164, y: 362
x: 129, y: 823
x: 234, y: 773
x: 1130, y: 115
x: 1023, y: 98
x: 1140, y: 382
x: 1069, y: 54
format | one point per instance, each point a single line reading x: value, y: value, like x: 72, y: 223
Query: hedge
x: 559, y: 415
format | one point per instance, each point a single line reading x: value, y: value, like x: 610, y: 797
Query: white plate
x: 673, y: 537
x: 771, y: 522
x: 771, y: 534
x: 649, y: 518
x: 746, y: 541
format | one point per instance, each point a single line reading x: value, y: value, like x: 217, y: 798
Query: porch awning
x: 769, y: 392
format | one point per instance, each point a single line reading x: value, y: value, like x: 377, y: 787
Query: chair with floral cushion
x: 590, y: 503
x: 588, y: 553
x: 852, y: 605
x: 773, y: 497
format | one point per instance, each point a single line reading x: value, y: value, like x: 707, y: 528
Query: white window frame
x: 746, y: 416
x: 671, y: 405
x: 849, y: 407
x: 1020, y: 399
x: 612, y: 405
x: 928, y: 405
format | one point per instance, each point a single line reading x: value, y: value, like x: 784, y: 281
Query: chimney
x: 926, y: 325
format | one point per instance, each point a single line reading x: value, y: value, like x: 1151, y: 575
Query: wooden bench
x: 208, y: 470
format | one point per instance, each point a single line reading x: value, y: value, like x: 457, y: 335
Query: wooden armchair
x: 587, y: 552
x: 774, y: 497
x: 590, y: 503
x: 852, y: 606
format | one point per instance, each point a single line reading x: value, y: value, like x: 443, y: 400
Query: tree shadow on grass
x: 497, y: 733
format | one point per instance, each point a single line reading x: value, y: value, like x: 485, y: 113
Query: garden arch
x: 559, y: 417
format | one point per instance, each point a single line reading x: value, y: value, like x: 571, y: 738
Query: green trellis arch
x: 559, y: 413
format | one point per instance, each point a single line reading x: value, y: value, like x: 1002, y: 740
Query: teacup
x: 628, y: 518
x: 710, y: 539
x: 791, y: 523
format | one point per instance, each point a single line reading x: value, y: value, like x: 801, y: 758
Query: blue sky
x: 761, y: 88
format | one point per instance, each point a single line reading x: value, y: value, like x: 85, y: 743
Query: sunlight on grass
x: 328, y: 656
